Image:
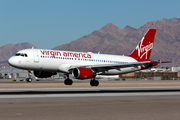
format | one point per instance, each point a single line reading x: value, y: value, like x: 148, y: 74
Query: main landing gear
x: 94, y: 82
x: 68, y: 81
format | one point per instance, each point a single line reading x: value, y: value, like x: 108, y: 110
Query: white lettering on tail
x: 143, y: 50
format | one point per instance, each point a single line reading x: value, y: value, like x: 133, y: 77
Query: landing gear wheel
x: 94, y: 83
x: 28, y: 79
x: 68, y: 82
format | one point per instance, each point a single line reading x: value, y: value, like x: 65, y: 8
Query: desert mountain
x: 9, y: 50
x: 111, y: 39
x: 105, y: 40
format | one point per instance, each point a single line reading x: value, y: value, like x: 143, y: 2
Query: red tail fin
x: 143, y: 49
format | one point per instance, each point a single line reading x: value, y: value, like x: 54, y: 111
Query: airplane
x: 85, y: 65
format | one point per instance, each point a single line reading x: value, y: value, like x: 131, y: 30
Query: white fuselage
x: 61, y: 61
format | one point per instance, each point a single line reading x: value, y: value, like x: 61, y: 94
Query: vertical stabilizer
x: 144, y: 48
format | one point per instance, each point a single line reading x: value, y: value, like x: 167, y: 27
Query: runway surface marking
x: 88, y: 92
x: 90, y: 95
x: 89, y: 88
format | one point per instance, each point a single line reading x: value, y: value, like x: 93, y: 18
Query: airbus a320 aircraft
x: 45, y: 63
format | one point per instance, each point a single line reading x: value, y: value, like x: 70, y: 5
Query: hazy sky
x: 50, y: 23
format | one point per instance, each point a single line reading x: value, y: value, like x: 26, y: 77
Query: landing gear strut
x: 94, y: 82
x: 68, y: 81
x: 29, y: 79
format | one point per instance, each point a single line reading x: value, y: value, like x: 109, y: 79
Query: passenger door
x: 36, y: 56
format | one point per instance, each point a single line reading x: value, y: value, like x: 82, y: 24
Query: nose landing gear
x: 29, y: 79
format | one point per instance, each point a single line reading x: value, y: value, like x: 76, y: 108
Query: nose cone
x: 12, y: 61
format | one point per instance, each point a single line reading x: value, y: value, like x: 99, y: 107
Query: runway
x: 101, y: 93
x: 91, y: 103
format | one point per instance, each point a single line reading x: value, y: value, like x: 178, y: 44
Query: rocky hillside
x: 111, y: 39
x: 9, y: 50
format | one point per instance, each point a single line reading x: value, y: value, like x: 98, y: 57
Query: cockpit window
x: 21, y: 54
x: 17, y: 54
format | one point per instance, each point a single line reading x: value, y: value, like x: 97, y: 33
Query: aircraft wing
x: 102, y: 67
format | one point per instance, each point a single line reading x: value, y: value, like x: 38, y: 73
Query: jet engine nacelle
x: 82, y: 73
x: 44, y: 74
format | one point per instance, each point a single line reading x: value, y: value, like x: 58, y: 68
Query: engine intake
x: 44, y: 74
x: 82, y: 73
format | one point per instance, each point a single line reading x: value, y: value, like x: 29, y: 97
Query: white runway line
x: 89, y: 95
